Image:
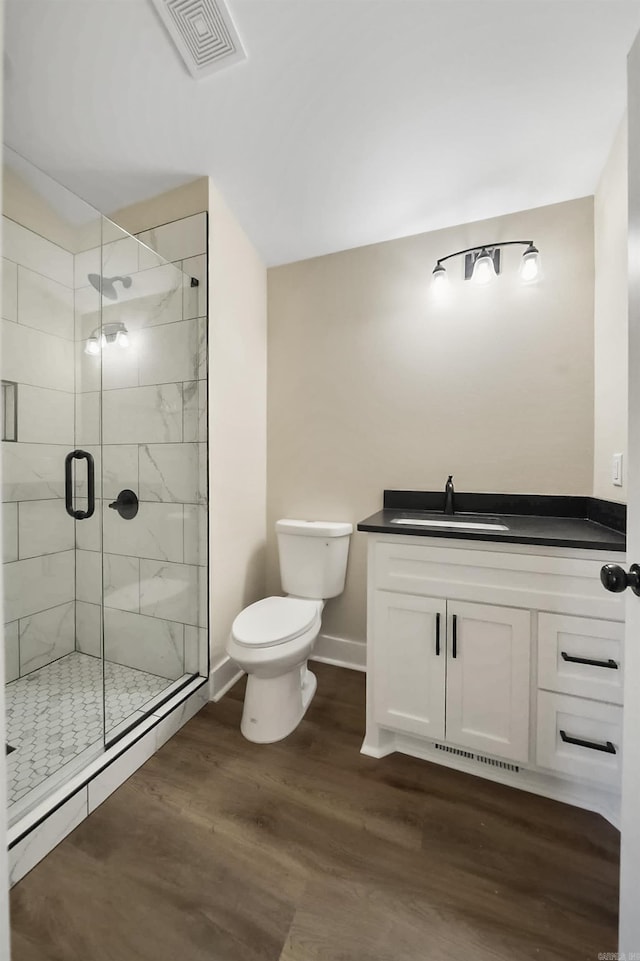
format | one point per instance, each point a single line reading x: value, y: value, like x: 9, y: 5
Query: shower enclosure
x: 104, y: 480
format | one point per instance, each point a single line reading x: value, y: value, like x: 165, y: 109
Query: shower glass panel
x: 153, y: 355
x: 54, y: 693
x: 103, y: 368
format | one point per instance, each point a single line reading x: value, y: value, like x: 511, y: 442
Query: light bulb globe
x: 530, y: 265
x: 439, y: 277
x: 484, y: 270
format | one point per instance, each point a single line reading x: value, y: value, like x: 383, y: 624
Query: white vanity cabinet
x: 454, y: 670
x: 503, y: 660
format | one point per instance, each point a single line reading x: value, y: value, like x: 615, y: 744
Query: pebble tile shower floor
x: 55, y: 713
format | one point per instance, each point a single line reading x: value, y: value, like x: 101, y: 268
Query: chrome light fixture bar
x: 482, y: 264
x: 115, y: 333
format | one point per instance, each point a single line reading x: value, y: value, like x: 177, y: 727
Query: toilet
x: 272, y: 639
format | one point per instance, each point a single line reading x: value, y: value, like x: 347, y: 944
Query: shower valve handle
x: 126, y: 504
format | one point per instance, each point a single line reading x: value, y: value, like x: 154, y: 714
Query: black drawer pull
x: 589, y: 660
x: 607, y: 747
x: 454, y: 645
x: 437, y: 635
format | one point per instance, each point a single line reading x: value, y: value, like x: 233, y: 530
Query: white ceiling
x: 353, y: 121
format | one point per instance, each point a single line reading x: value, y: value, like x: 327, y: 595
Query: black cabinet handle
x: 68, y: 484
x: 607, y: 747
x: 454, y: 644
x: 437, y: 635
x: 589, y: 660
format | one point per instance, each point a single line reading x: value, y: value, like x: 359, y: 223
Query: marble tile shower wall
x: 38, y: 535
x: 154, y: 432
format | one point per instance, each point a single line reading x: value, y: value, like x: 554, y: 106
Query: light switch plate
x: 616, y: 470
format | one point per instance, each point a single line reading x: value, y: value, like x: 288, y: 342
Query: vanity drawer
x: 564, y: 720
x: 564, y: 645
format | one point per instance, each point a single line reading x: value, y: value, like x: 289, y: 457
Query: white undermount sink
x: 461, y: 523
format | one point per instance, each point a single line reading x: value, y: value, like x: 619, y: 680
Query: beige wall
x: 611, y: 320
x: 191, y: 198
x: 373, y: 384
x: 22, y: 203
x: 237, y: 420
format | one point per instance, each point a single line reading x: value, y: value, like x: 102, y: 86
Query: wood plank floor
x: 305, y: 850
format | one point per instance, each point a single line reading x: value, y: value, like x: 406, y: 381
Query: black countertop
x: 547, y: 520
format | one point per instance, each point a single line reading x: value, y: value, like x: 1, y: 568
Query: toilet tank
x: 313, y: 557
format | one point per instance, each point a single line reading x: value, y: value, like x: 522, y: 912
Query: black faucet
x: 448, y: 496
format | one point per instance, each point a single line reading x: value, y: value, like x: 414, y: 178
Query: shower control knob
x: 615, y: 579
x: 126, y: 504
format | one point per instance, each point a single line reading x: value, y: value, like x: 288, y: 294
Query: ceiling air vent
x: 203, y: 32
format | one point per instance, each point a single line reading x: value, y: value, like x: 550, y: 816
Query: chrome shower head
x: 105, y: 285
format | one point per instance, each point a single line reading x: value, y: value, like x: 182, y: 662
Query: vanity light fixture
x: 482, y: 264
x: 115, y: 333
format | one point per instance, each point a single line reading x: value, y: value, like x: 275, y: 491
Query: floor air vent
x: 503, y: 765
x: 203, y: 32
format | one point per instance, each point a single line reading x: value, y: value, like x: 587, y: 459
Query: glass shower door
x: 153, y: 349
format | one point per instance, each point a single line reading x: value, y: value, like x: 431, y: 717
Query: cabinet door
x: 488, y: 679
x: 408, y: 671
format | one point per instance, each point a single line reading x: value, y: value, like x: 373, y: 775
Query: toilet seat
x: 274, y: 620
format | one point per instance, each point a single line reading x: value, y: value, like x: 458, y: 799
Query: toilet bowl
x: 272, y: 639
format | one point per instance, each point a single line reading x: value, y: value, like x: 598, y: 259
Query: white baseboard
x: 223, y: 676
x: 329, y: 650
x: 340, y: 652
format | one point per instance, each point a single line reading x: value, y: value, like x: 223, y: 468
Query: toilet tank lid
x: 314, y: 528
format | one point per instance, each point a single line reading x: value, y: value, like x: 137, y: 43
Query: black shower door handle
x: 68, y: 484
